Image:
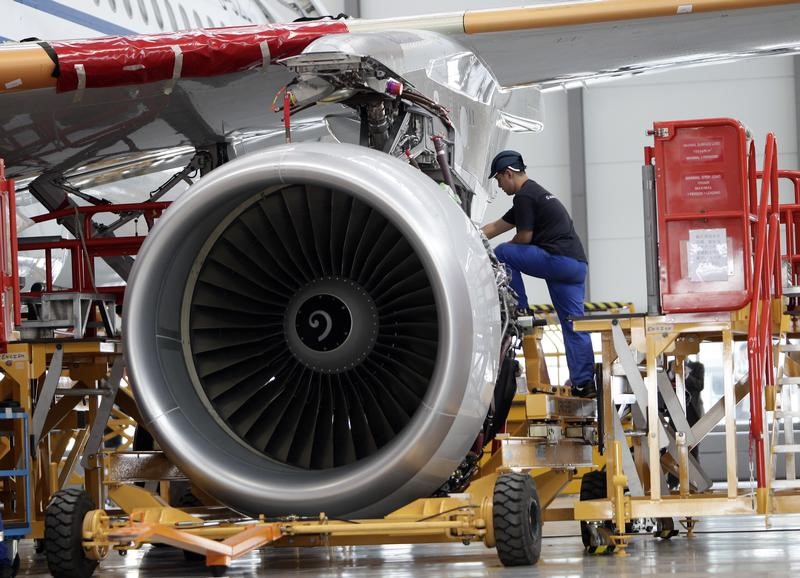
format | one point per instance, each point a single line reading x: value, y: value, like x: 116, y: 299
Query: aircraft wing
x: 66, y: 103
x: 559, y: 44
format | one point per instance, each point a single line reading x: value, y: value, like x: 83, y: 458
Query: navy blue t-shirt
x: 539, y: 211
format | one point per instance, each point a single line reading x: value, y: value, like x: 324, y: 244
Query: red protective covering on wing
x: 122, y: 60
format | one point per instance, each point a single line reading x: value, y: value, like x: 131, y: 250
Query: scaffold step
x: 791, y: 290
x: 785, y: 484
x: 784, y: 414
x: 786, y: 448
x: 787, y: 380
x: 82, y: 391
x: 789, y: 347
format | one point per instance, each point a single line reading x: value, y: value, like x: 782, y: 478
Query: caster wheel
x: 665, y: 528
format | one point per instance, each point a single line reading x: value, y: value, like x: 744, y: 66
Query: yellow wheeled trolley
x: 550, y: 435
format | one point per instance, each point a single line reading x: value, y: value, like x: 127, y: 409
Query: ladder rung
x: 80, y: 392
x: 789, y: 380
x: 784, y: 484
x: 786, y: 449
x: 779, y: 414
x: 789, y: 346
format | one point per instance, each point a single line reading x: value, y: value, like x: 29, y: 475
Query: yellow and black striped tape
x: 587, y: 306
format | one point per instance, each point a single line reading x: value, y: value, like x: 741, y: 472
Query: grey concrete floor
x: 731, y: 547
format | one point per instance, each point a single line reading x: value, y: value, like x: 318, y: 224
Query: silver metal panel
x: 651, y: 240
x: 524, y: 454
x: 142, y: 467
x: 557, y: 406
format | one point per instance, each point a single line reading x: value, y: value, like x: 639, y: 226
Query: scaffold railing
x: 766, y: 287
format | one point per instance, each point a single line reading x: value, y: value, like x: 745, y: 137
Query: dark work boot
x: 585, y: 390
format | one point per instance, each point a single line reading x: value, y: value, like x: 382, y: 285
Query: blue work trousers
x: 566, y: 279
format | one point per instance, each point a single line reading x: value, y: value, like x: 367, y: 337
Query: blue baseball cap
x: 506, y: 160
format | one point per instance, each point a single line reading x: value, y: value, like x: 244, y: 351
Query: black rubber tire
x: 218, y: 570
x: 666, y: 528
x: 593, y: 487
x: 63, y: 534
x: 517, y: 518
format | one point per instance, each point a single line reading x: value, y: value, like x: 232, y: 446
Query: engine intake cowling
x: 314, y: 327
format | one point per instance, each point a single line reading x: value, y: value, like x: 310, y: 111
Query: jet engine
x: 314, y: 327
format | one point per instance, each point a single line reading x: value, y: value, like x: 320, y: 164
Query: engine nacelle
x: 314, y: 327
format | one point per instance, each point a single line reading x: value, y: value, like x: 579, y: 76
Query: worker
x: 546, y: 246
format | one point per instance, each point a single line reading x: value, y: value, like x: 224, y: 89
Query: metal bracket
x: 698, y: 478
x: 72, y: 309
x: 675, y: 408
x: 635, y: 486
x: 46, y: 395
x: 104, y: 411
x: 635, y: 380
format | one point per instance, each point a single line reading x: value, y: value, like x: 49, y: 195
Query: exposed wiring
x: 429, y: 105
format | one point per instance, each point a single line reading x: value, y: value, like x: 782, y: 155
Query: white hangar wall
x: 760, y: 93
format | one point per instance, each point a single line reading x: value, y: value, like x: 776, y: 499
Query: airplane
x: 51, y: 20
x: 85, y: 19
x: 316, y: 324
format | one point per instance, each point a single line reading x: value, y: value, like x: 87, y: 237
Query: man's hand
x: 495, y: 228
x: 523, y: 237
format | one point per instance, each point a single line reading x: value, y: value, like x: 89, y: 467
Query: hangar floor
x: 733, y: 547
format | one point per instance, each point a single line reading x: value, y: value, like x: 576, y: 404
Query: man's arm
x: 495, y: 228
x: 523, y: 237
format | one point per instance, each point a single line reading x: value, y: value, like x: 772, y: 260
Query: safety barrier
x: 790, y: 220
x: 719, y: 238
x: 766, y: 287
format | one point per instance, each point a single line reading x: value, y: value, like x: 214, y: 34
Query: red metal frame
x: 83, y: 259
x: 757, y: 215
x: 9, y: 271
x: 790, y: 219
x: 766, y: 287
x: 701, y: 188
